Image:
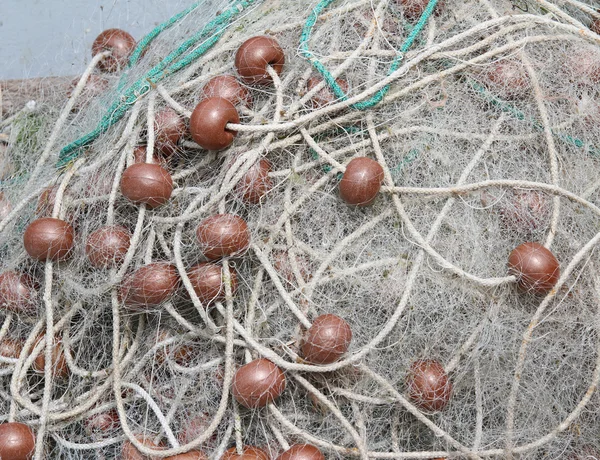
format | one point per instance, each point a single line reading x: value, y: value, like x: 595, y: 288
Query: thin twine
x: 449, y: 191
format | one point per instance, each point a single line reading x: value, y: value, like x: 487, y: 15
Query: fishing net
x: 483, y: 116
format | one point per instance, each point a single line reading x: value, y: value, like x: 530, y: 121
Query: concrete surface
x: 41, y: 38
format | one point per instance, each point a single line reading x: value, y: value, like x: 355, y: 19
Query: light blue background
x: 40, y: 38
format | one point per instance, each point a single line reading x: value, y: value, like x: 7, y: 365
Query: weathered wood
x: 14, y: 94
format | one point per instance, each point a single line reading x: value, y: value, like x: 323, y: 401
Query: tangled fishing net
x: 483, y: 119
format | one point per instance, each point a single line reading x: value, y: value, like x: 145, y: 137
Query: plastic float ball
x: 107, y: 246
x: 361, y: 181
x: 535, y: 267
x: 413, y: 9
x: 302, y: 452
x: 257, y: 383
x: 150, y: 285
x: 223, y: 235
x: 248, y: 453
x: 326, y: 340
x: 508, y: 78
x: 528, y: 211
x: 147, y: 183
x: 169, y: 128
x: 48, y: 238
x: 522, y: 212
x: 46, y: 201
x: 227, y: 87
x: 283, y: 266
x: 17, y: 441
x: 17, y: 293
x: 119, y: 43
x: 191, y: 455
x: 60, y: 368
x: 253, y: 57
x: 196, y: 427
x: 325, y: 95
x: 208, y: 123
x: 428, y: 385
x: 256, y: 183
x: 207, y: 281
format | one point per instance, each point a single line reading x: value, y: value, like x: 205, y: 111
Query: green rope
x: 145, y: 42
x: 165, y: 68
x: 339, y: 93
x: 519, y: 115
x: 149, y: 38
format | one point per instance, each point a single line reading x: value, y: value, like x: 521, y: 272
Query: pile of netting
x: 378, y: 238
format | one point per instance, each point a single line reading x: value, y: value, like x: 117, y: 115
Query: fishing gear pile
x: 310, y: 229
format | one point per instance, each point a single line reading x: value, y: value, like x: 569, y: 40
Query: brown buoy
x: 48, y: 238
x: 208, y: 123
x: 326, y: 340
x: 535, y: 267
x: 428, y: 385
x: 119, y: 43
x: 223, y: 235
x: 258, y: 383
x: 253, y: 57
x: 17, y: 441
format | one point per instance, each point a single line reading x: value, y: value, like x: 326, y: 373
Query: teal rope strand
x: 145, y: 42
x: 165, y: 68
x: 318, y: 65
x: 149, y: 38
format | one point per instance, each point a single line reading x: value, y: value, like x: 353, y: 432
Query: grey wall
x: 41, y: 38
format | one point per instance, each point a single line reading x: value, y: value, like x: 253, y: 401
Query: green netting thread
x: 149, y: 38
x: 339, y: 93
x: 168, y: 66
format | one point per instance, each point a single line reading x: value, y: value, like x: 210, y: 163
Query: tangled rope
x: 484, y: 121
